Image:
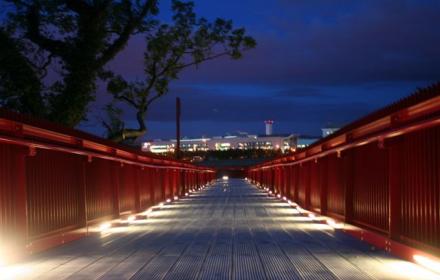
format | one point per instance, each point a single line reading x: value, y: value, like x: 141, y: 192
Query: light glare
x: 105, y: 226
x: 428, y: 263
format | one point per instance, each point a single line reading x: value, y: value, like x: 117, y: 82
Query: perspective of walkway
x: 230, y: 230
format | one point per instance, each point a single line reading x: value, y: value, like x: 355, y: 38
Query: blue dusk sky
x: 317, y: 62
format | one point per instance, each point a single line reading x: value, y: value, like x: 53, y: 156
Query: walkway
x: 231, y: 230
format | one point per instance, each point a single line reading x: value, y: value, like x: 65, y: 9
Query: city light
x: 433, y: 265
x: 176, y: 197
x: 284, y: 198
x: 186, y: 194
x: 168, y: 200
x: 225, y: 178
x: 279, y: 195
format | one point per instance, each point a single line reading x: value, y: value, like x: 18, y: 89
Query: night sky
x: 317, y: 62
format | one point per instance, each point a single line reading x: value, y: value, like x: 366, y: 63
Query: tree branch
x: 205, y: 59
x: 55, y: 47
x: 119, y: 43
x: 126, y: 99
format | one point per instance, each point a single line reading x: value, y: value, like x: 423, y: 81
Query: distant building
x: 283, y: 142
x: 304, y: 141
x: 328, y: 130
x: 240, y: 141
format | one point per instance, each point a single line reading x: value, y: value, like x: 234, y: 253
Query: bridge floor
x: 229, y: 231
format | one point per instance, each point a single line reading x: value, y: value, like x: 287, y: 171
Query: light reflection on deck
x: 239, y: 233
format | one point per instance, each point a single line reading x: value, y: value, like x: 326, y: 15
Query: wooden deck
x: 231, y: 230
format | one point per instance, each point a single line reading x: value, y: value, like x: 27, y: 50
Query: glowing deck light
x: 428, y: 263
x: 176, y: 198
x: 105, y: 226
x: 225, y: 178
x: 312, y: 216
x: 168, y: 200
x: 334, y: 224
x: 186, y: 194
x: 270, y: 192
x: 289, y: 202
x: 2, y: 257
x: 161, y: 204
x: 279, y: 195
x: 131, y: 219
x: 284, y: 198
x: 16, y: 272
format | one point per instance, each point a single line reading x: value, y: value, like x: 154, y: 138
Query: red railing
x: 55, y: 182
x: 381, y: 173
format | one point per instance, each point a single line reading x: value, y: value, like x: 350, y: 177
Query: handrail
x: 23, y: 130
x: 374, y: 173
x: 388, y: 122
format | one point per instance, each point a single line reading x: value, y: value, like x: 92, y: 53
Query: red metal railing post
x: 83, y: 192
x: 348, y: 177
x: 116, y: 184
x: 21, y: 233
x: 137, y: 187
x: 395, y: 157
x: 323, y: 182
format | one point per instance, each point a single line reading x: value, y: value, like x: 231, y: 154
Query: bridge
x: 363, y: 203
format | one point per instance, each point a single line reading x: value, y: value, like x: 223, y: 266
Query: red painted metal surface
x: 381, y: 173
x: 56, y: 181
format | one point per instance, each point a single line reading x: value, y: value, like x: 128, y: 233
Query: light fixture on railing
x: 176, y: 197
x: 168, y: 200
x: 105, y: 226
x: 186, y: 194
x: 284, y: 198
x: 334, y: 224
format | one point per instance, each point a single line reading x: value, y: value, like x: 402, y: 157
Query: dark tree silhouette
x: 77, y: 36
x: 188, y: 41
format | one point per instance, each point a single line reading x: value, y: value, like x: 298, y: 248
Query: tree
x: 188, y: 41
x: 77, y: 36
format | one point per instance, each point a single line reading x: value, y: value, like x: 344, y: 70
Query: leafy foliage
x: 189, y: 41
x: 75, y: 37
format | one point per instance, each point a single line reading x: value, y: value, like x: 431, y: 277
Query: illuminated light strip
x: 429, y: 263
